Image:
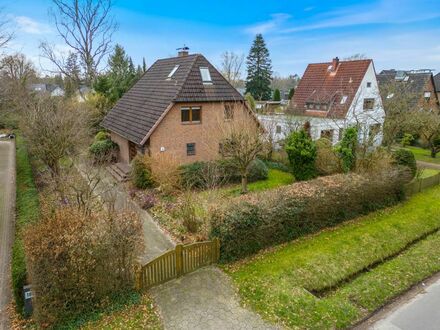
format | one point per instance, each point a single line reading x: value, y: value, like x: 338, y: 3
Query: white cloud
x: 31, y: 26
x: 264, y: 27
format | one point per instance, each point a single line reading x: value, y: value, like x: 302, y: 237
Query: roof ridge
x: 186, y: 77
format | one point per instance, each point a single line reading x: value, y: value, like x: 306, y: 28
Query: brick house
x: 331, y: 97
x: 437, y: 84
x: 176, y: 108
x: 419, y: 83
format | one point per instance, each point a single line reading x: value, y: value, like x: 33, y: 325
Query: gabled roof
x: 140, y: 108
x: 323, y: 84
x: 437, y: 82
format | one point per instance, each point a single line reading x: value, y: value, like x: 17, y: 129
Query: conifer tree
x: 259, y: 70
x: 277, y: 95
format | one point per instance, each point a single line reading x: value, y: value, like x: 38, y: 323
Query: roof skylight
x: 173, y: 71
x: 206, y: 75
x: 344, y: 99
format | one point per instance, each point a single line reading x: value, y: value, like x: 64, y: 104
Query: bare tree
x: 16, y: 68
x: 6, y: 34
x: 54, y: 129
x: 231, y: 67
x: 87, y: 27
x: 242, y: 141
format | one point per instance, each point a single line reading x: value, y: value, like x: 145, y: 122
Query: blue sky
x: 402, y: 34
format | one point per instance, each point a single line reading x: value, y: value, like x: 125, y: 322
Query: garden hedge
x: 252, y: 222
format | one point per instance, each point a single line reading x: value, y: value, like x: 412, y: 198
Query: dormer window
x: 206, y: 75
x: 173, y: 72
x: 427, y: 96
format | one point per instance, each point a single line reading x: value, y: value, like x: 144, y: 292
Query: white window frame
x: 206, y: 75
x: 173, y: 71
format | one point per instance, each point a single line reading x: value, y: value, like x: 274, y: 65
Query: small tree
x: 346, y: 149
x: 250, y: 101
x: 291, y: 93
x: 301, y: 151
x: 242, y: 142
x: 231, y: 67
x: 277, y: 95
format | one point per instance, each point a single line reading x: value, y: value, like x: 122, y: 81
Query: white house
x: 331, y: 97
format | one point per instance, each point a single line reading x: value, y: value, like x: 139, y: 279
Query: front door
x: 132, y: 152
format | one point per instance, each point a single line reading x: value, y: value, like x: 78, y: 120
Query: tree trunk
x: 433, y: 152
x: 244, y: 182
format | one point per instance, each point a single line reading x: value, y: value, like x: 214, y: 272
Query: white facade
x: 367, y: 121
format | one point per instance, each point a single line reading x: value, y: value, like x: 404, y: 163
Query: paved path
x: 422, y: 164
x: 156, y: 241
x: 417, y: 309
x: 7, y: 206
x: 204, y: 299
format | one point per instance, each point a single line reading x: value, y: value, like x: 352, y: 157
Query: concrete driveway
x: 7, y: 207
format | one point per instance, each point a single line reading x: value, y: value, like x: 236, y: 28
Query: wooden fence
x: 418, y: 185
x: 174, y: 263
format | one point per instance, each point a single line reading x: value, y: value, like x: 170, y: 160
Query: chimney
x: 335, y: 63
x: 183, y: 51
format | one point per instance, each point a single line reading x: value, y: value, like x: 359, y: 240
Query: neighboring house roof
x: 437, y: 82
x: 41, y: 88
x: 328, y: 84
x: 141, y: 108
x: 415, y: 81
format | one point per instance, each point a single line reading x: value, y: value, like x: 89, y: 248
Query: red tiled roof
x: 328, y: 87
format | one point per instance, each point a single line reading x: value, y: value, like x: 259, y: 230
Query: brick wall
x: 172, y: 135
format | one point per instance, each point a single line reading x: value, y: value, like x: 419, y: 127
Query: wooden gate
x: 174, y: 263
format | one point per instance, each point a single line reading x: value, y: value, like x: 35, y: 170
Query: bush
x: 250, y: 223
x: 327, y: 162
x: 277, y: 166
x: 301, y: 151
x: 407, y: 140
x: 102, y: 136
x: 406, y: 158
x: 77, y: 261
x: 346, y: 149
x: 209, y: 175
x: 104, y: 150
x: 141, y: 172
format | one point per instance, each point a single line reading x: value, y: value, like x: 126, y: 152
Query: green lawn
x: 424, y: 155
x: 276, y: 178
x: 427, y: 172
x: 336, y: 277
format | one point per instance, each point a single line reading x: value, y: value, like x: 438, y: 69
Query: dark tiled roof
x: 320, y: 85
x: 437, y: 82
x: 415, y: 83
x: 139, y: 109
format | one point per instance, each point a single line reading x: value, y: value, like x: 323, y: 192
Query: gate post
x: 179, y: 260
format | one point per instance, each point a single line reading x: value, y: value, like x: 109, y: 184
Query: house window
x: 190, y: 149
x: 368, y: 84
x: 318, y: 106
x: 310, y: 106
x: 327, y: 134
x: 206, y: 75
x: 278, y: 129
x: 190, y: 114
x: 427, y: 96
x: 228, y: 112
x: 368, y: 104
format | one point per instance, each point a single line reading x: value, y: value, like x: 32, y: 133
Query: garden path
x: 7, y: 207
x: 204, y: 299
x: 423, y: 164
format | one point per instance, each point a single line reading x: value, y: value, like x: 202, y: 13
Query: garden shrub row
x: 27, y: 211
x: 196, y: 175
x: 252, y: 222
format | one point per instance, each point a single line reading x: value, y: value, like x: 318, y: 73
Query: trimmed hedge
x: 252, y: 222
x: 194, y: 174
x: 27, y: 211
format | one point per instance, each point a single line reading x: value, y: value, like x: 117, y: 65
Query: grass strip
x: 277, y: 283
x: 27, y: 211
